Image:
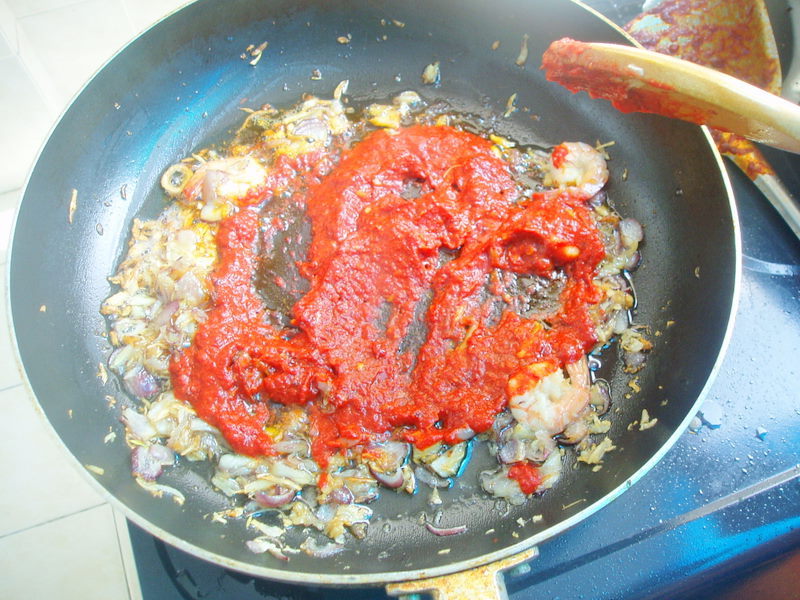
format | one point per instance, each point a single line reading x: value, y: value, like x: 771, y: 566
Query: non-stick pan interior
x: 180, y: 87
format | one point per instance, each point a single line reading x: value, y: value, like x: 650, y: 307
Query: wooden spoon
x: 735, y: 38
x: 636, y: 80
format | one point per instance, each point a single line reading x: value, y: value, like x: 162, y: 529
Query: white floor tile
x: 9, y: 371
x: 6, y: 48
x: 25, y: 8
x: 74, y: 41
x: 8, y: 29
x: 75, y: 558
x: 8, y: 209
x: 39, y: 481
x: 128, y: 558
x: 144, y: 13
x: 24, y: 122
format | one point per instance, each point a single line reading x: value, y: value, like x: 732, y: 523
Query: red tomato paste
x: 415, y: 230
x: 526, y: 475
x: 577, y: 68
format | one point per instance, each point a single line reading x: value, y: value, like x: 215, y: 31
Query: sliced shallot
x: 512, y: 451
x: 138, y: 424
x: 189, y: 288
x: 631, y: 232
x: 310, y: 547
x: 391, y: 480
x: 313, y: 128
x: 341, y: 495
x: 260, y: 545
x: 141, y: 384
x: 148, y: 462
x: 275, y: 497
x: 431, y: 479
x: 165, y: 314
x: 443, y: 531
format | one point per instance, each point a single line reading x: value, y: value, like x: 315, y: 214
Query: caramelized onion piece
x: 442, y: 531
x: 275, y: 497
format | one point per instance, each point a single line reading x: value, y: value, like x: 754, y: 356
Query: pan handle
x: 780, y: 198
x: 485, y: 582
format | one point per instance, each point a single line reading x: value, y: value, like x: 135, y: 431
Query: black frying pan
x: 179, y: 86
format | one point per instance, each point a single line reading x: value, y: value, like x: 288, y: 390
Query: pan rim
x: 382, y: 578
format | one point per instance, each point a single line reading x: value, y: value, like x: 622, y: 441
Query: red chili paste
x: 743, y: 152
x: 526, y: 475
x: 375, y: 267
x: 573, y: 65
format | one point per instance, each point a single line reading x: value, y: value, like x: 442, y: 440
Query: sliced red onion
x: 574, y: 432
x: 148, y: 462
x: 539, y: 449
x: 118, y: 358
x: 399, y: 450
x: 631, y: 232
x: 313, y: 128
x: 499, y: 485
x: 359, y: 530
x: 503, y: 435
x: 633, y: 360
x: 598, y: 199
x: 428, y: 478
x: 365, y: 493
x: 197, y: 424
x: 298, y: 475
x: 236, y: 464
x: 257, y: 546
x: 452, y: 461
x: 262, y: 545
x: 633, y: 261
x: 621, y: 322
x: 325, y: 512
x: 211, y: 180
x: 510, y: 452
x: 276, y: 497
x: 387, y: 459
x: 209, y: 443
x: 301, y: 447
x: 341, y: 495
x: 186, y: 238
x: 189, y: 288
x: 277, y: 553
x: 502, y: 421
x: 141, y: 384
x: 445, y: 530
x: 164, y: 455
x: 165, y: 314
x: 138, y: 424
x: 601, y: 396
x: 464, y: 434
x: 391, y: 480
x: 310, y: 547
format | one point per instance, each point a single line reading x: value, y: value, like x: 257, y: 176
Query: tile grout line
x: 11, y: 190
x: 43, y: 11
x: 11, y: 387
x: 53, y: 520
x: 126, y: 555
x: 28, y: 56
